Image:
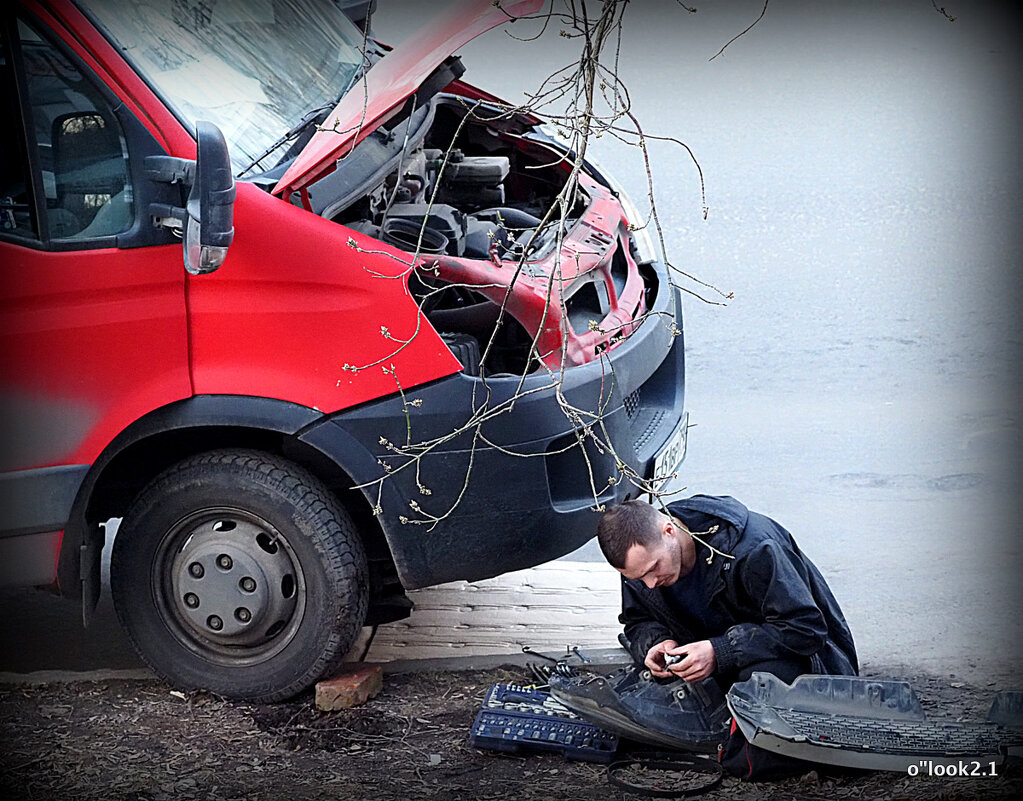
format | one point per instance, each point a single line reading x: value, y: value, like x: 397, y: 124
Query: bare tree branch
x: 942, y: 11
x: 743, y: 33
x: 584, y: 100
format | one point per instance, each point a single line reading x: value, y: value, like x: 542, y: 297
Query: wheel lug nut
x: 224, y: 562
x: 195, y: 570
x: 191, y: 600
x: 242, y: 614
x: 214, y: 622
x: 248, y: 584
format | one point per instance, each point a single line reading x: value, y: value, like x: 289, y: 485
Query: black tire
x: 238, y: 572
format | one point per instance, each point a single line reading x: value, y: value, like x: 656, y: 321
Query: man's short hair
x: 630, y: 523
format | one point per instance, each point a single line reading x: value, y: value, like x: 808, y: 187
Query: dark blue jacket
x: 774, y: 598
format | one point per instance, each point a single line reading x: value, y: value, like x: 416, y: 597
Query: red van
x: 291, y: 305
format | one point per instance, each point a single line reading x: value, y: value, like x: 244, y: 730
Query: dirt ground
x: 140, y: 741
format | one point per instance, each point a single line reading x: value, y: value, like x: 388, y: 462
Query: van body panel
x: 90, y: 341
x: 307, y: 311
x: 467, y: 525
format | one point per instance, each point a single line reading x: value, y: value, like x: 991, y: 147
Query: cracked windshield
x: 255, y: 68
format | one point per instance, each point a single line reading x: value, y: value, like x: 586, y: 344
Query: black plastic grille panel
x: 916, y: 737
x: 632, y: 404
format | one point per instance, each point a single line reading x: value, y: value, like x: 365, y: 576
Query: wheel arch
x: 182, y: 429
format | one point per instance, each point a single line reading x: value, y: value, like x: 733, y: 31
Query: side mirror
x: 209, y: 218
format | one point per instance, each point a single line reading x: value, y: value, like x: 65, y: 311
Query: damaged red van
x: 286, y: 302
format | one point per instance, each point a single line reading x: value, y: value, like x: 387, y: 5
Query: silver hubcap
x: 232, y: 585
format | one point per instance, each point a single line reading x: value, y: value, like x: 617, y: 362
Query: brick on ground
x: 351, y: 687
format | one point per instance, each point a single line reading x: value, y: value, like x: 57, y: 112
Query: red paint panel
x: 294, y: 302
x: 89, y: 342
x: 470, y: 92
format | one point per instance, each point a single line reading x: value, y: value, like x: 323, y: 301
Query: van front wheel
x: 238, y: 572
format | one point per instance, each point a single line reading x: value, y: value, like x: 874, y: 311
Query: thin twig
x: 738, y: 35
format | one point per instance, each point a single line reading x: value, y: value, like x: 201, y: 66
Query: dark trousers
x: 785, y: 669
x: 736, y: 756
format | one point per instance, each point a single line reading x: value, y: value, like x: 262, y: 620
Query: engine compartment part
x: 436, y: 222
x: 466, y: 191
x: 410, y: 234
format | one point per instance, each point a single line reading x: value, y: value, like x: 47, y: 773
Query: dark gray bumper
x: 514, y: 491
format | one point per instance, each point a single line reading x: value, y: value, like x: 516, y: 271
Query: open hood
x: 388, y: 83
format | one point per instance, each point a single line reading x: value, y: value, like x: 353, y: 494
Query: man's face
x: 656, y: 565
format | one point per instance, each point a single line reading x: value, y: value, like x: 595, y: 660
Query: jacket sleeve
x: 641, y: 629
x: 792, y: 625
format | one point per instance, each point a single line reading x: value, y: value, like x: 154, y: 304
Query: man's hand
x: 698, y: 663
x: 655, y: 658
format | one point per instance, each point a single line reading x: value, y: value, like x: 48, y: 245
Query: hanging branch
x: 583, y: 100
x: 743, y: 33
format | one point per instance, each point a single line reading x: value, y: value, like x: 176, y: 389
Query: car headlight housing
x: 646, y: 251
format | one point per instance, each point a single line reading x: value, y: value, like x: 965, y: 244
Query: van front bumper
x: 516, y: 490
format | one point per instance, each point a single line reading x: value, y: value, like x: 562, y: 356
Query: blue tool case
x: 516, y: 718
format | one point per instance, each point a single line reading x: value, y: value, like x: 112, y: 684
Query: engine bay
x: 468, y: 189
x: 465, y: 175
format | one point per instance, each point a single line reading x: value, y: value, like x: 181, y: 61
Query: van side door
x: 93, y: 330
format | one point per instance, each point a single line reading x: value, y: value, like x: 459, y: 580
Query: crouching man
x: 724, y: 588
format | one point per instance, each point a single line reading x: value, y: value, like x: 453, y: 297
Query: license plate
x: 670, y: 456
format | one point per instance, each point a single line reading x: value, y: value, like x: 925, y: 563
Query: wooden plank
x: 549, y: 608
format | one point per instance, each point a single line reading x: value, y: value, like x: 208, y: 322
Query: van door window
x: 16, y: 211
x: 80, y: 146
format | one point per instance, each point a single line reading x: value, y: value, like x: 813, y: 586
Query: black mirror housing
x: 209, y: 223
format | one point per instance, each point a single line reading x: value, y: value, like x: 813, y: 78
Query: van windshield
x: 252, y: 67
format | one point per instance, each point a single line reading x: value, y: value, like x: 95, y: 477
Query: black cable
x: 369, y: 642
x: 527, y: 650
x: 560, y: 667
x: 674, y: 763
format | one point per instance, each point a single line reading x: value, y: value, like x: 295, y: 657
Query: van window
x: 16, y: 211
x: 81, y: 150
